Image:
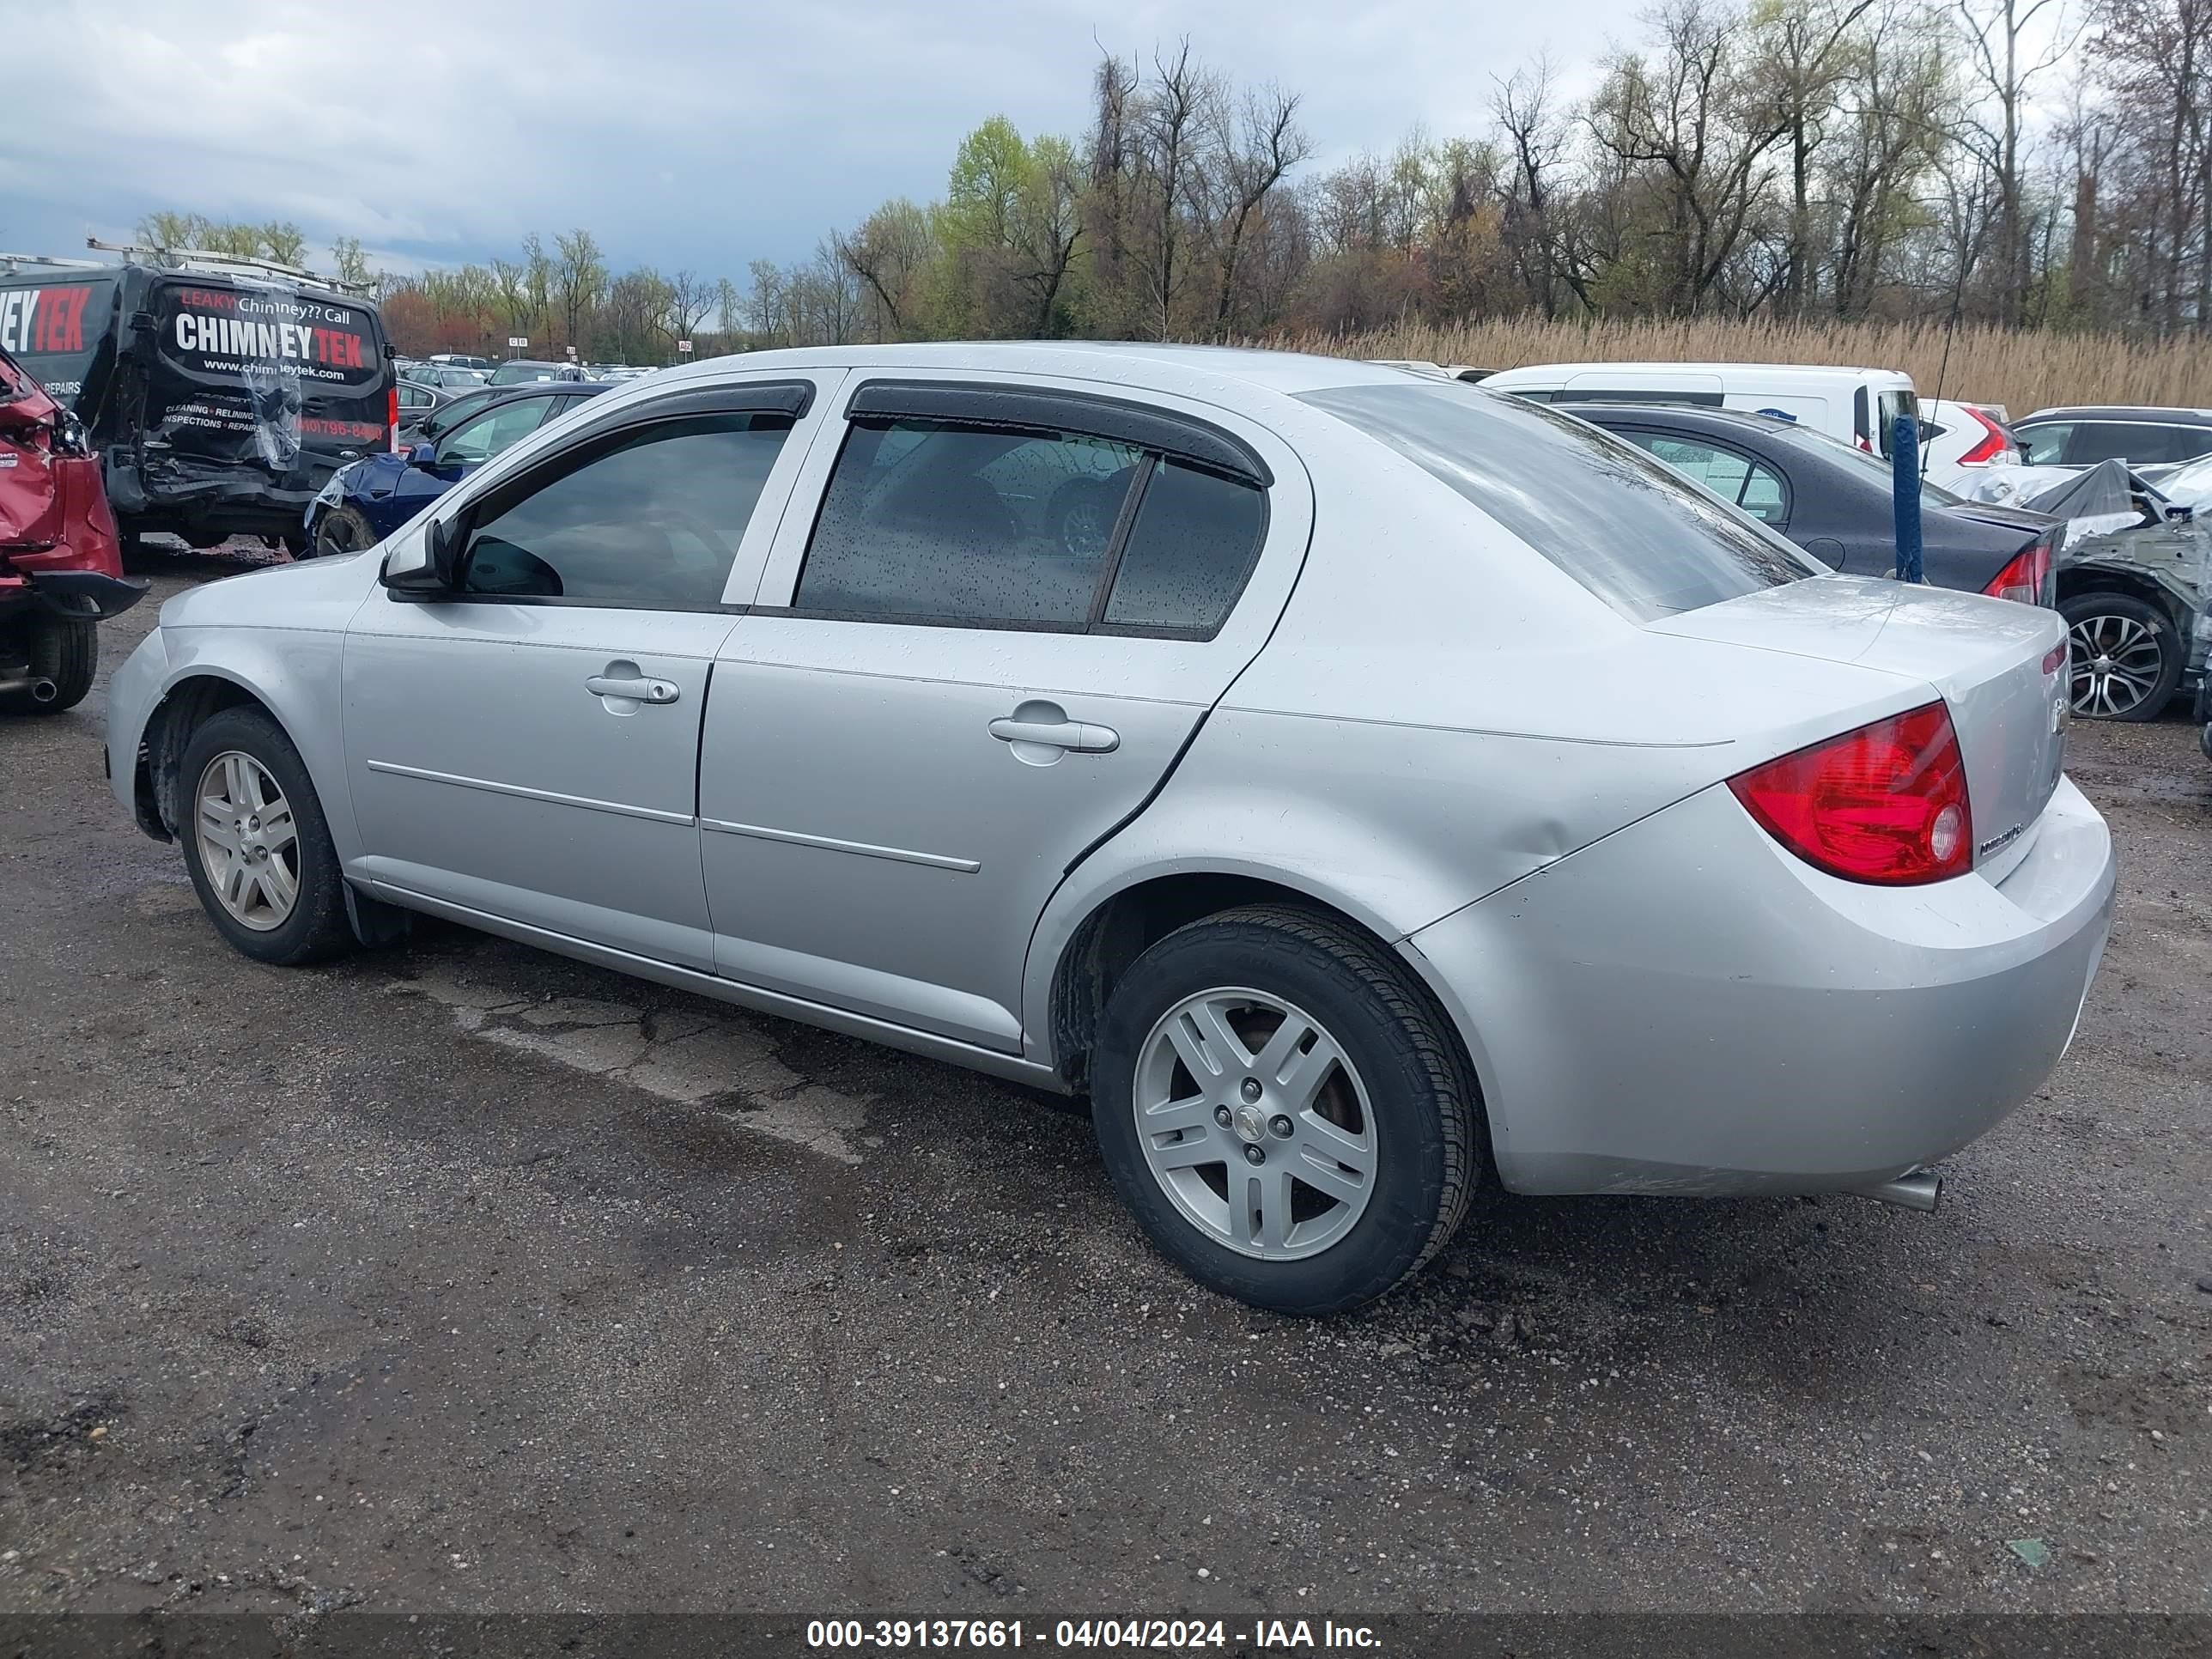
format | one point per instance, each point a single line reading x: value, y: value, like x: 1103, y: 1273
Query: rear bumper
x: 74, y: 595
x: 1685, y: 1007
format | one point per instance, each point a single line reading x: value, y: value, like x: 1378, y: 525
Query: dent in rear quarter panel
x: 280, y: 634
x: 1394, y: 825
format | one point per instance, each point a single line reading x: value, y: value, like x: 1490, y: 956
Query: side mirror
x: 423, y: 455
x: 426, y: 565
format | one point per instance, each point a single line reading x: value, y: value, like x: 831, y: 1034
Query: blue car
x: 366, y: 500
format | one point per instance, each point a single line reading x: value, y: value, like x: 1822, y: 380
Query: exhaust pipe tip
x: 1923, y: 1189
x: 44, y: 690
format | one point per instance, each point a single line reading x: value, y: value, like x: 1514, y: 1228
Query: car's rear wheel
x: 341, y: 530
x: 1282, y: 1110
x: 2123, y: 657
x: 256, y: 843
x: 61, y: 652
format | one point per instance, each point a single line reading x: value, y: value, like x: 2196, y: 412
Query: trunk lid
x: 1999, y: 666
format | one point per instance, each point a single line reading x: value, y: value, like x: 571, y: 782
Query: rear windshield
x: 1629, y: 528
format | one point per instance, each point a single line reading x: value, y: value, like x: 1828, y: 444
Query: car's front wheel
x: 341, y: 530
x: 1282, y: 1110
x: 2123, y: 657
x: 256, y: 842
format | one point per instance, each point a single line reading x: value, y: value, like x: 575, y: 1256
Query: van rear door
x: 54, y: 327
x: 292, y: 379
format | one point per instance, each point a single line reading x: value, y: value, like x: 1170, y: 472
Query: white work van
x: 1859, y: 405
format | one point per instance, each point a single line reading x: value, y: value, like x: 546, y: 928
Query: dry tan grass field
x: 2022, y: 371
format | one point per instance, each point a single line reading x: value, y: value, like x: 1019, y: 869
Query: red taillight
x: 1886, y: 803
x: 2024, y: 578
x: 392, y: 418
x: 1995, y: 440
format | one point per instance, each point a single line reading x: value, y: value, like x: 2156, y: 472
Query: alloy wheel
x: 249, y: 846
x: 1255, y: 1124
x: 2113, y: 663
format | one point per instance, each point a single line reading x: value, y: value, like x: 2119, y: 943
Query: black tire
x: 316, y: 926
x: 2083, y: 612
x: 1429, y: 1148
x: 62, y: 650
x: 341, y: 530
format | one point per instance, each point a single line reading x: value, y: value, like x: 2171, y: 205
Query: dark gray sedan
x: 1835, y: 501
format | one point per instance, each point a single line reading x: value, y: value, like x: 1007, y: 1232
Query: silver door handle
x: 637, y: 690
x: 1058, y: 734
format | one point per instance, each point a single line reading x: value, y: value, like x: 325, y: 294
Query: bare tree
x: 1999, y: 36
x: 1686, y: 119
x: 1526, y: 112
x: 1169, y: 118
x: 1248, y: 149
x: 685, y: 305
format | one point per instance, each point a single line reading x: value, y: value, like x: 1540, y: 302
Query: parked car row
x: 1801, y: 448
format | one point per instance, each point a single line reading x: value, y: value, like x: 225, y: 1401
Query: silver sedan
x: 1355, y: 782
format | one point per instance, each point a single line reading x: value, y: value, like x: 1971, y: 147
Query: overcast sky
x: 683, y: 135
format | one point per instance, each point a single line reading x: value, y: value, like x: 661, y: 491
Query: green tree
x: 284, y: 242
x: 579, y: 278
x: 351, y: 264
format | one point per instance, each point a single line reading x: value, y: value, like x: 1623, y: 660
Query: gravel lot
x: 463, y: 1278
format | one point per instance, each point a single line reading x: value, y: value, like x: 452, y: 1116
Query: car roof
x: 1189, y: 370
x: 2171, y: 416
x: 1696, y: 414
x: 500, y: 394
x: 1648, y: 366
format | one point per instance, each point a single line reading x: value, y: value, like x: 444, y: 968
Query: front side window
x: 450, y: 414
x: 926, y: 520
x: 492, y: 432
x: 1631, y: 530
x: 651, y: 518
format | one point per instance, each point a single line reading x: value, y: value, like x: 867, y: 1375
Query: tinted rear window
x: 1627, y: 527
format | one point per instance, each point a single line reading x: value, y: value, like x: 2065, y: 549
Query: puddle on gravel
x: 691, y: 1059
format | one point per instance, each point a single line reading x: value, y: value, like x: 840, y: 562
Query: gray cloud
x: 684, y: 134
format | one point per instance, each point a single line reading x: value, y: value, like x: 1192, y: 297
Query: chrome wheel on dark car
x: 2123, y: 658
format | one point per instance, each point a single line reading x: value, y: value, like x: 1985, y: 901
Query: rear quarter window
x: 1624, y: 525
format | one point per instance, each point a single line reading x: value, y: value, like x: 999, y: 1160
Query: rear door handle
x: 1058, y: 734
x: 639, y: 690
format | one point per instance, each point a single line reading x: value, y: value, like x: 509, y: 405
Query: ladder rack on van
x: 9, y: 261
x: 210, y: 262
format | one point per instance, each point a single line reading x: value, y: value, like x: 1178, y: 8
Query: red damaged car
x: 61, y: 565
